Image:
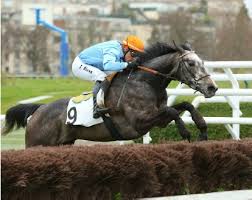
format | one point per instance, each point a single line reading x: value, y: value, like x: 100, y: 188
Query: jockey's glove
x: 133, y: 64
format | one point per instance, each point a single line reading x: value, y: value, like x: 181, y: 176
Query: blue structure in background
x: 63, y: 44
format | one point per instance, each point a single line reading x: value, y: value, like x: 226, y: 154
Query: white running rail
x: 233, y: 96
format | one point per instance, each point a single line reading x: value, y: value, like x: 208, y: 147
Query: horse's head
x: 191, y: 71
x: 180, y: 63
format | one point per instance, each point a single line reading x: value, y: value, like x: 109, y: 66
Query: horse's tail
x: 17, y: 115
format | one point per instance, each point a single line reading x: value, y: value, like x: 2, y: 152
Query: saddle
x: 83, y: 97
x: 100, y: 96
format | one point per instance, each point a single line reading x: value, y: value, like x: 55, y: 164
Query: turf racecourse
x: 17, y: 89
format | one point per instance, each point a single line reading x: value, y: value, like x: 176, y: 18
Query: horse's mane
x: 160, y: 48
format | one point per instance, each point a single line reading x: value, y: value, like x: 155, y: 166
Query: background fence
x: 233, y: 96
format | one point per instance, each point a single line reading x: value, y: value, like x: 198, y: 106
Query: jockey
x: 96, y: 62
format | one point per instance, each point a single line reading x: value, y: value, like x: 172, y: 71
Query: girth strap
x: 111, y: 127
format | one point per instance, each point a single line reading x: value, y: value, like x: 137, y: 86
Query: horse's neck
x: 162, y: 64
x: 155, y: 81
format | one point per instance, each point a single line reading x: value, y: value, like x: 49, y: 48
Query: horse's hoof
x: 203, y: 137
x: 186, y: 136
x: 189, y: 139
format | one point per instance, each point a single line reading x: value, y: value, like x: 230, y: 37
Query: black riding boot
x: 104, y: 86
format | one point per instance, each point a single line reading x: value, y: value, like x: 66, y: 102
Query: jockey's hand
x: 133, y: 64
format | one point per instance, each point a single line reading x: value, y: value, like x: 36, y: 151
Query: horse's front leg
x: 164, y: 117
x: 196, y: 117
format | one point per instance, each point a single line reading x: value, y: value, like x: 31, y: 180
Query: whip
x: 124, y: 86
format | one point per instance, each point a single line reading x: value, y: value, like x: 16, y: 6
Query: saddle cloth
x: 80, y: 111
x: 80, y: 108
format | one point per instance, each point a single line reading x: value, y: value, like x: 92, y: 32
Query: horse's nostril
x: 212, y: 88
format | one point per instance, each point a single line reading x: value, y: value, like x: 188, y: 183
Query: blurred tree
x: 155, y: 35
x: 123, y: 11
x: 181, y: 26
x: 204, y: 7
x: 234, y: 38
x: 243, y: 35
x: 91, y: 32
x: 203, y: 41
x: 14, y: 43
x: 37, y: 49
x: 19, y: 42
x: 7, y: 47
x: 94, y: 32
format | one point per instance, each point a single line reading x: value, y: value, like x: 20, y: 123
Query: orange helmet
x: 134, y: 42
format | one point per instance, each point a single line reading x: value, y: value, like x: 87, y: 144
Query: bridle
x: 175, y: 70
x: 196, y: 81
x: 165, y: 76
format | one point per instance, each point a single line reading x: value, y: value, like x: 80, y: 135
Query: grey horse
x: 143, y: 102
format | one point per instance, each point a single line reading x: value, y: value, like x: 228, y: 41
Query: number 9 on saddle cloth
x: 80, y: 111
x: 80, y: 108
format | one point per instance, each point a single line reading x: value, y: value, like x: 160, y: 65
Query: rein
x: 155, y: 72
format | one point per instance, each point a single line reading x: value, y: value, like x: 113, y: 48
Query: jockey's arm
x: 110, y: 62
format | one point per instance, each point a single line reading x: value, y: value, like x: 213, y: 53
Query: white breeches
x: 87, y: 72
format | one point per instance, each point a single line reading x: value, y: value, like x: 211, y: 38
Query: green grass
x: 15, y: 140
x: 14, y: 90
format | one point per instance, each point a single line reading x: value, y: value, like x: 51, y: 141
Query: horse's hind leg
x: 196, y: 117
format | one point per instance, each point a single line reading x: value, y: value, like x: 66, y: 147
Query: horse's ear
x: 178, y: 48
x: 187, y: 46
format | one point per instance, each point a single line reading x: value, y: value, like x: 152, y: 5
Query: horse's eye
x: 133, y: 53
x: 191, y: 63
